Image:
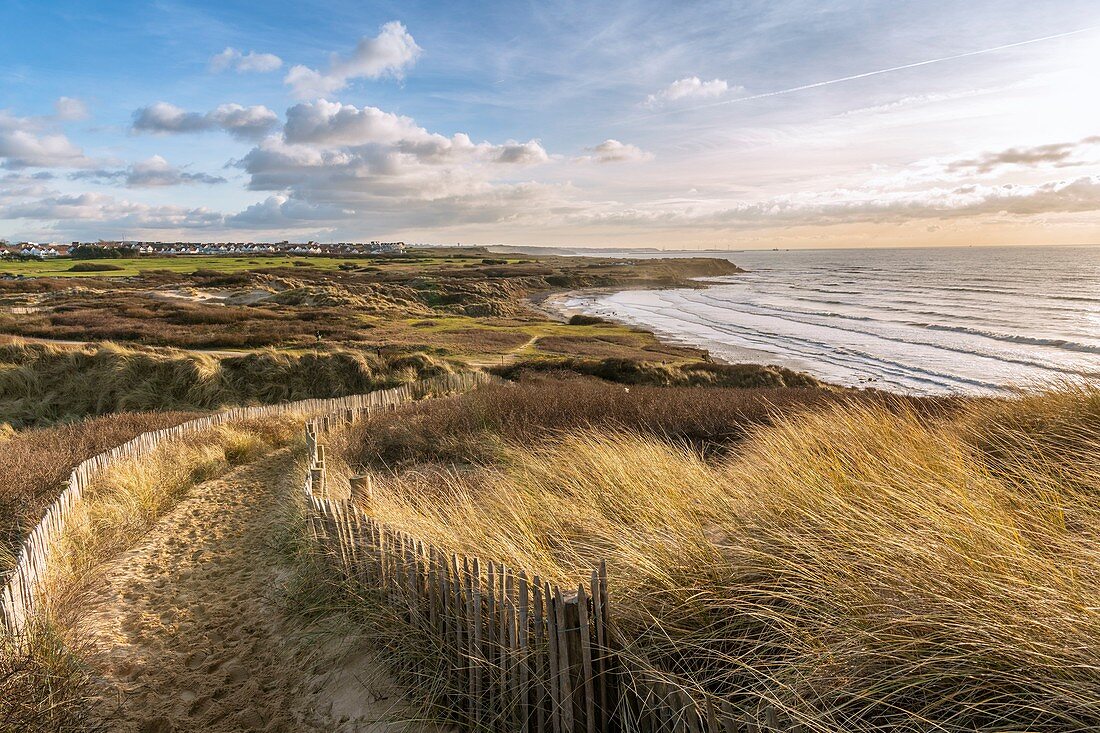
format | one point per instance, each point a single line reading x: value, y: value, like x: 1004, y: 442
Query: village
x: 130, y: 248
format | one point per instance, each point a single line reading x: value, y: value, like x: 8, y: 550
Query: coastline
x: 560, y: 305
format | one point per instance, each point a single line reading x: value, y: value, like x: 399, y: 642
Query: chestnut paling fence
x: 21, y: 588
x: 519, y: 654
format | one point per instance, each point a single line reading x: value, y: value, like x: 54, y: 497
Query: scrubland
x: 457, y: 304
x: 862, y: 562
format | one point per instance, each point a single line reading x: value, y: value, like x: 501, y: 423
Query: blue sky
x: 559, y: 123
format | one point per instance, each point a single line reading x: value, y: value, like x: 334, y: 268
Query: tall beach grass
x: 865, y: 565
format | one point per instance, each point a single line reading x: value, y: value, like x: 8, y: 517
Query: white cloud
x: 331, y: 125
x: 148, y: 173
x: 25, y: 144
x: 613, y: 151
x: 242, y: 63
x: 241, y: 122
x: 69, y: 109
x: 387, y: 54
x: 276, y: 212
x: 352, y: 163
x: 528, y: 153
x: 691, y: 87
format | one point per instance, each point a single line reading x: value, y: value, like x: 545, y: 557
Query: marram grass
x: 860, y: 566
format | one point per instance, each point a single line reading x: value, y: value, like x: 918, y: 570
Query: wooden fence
x: 520, y: 654
x: 19, y: 589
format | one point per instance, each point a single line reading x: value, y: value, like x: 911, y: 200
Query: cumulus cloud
x: 70, y: 109
x: 613, y: 151
x: 346, y: 161
x: 333, y: 125
x: 387, y: 54
x: 528, y: 153
x: 243, y: 63
x: 691, y: 87
x: 1059, y: 155
x: 149, y: 173
x: 247, y: 123
x: 25, y: 144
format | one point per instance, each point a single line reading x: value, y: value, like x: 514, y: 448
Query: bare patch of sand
x: 217, y: 297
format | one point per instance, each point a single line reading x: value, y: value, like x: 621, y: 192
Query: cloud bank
x: 149, y: 173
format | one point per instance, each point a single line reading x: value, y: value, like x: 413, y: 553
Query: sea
x: 968, y: 320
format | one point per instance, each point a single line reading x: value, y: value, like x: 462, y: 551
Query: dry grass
x: 34, y: 464
x: 125, y: 502
x: 474, y: 428
x: 41, y: 384
x: 862, y: 566
x: 43, y: 685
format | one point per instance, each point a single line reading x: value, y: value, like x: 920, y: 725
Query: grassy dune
x: 459, y: 303
x: 42, y: 384
x: 865, y: 565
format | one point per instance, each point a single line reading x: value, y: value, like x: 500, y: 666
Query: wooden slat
x: 584, y: 631
x: 522, y: 640
x: 542, y: 660
x: 553, y: 677
x: 565, y: 663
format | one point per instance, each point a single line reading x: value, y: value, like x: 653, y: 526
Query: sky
x: 750, y: 124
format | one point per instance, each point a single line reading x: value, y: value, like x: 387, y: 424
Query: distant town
x: 129, y: 248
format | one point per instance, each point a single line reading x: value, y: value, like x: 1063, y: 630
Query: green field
x: 62, y: 267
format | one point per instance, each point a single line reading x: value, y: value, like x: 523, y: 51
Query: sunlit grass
x: 859, y: 566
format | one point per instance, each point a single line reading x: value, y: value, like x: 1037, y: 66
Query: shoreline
x: 554, y: 304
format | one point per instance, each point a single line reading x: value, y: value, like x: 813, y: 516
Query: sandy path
x: 189, y: 635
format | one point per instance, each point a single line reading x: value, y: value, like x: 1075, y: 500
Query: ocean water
x: 975, y: 320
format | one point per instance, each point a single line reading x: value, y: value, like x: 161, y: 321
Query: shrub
x: 94, y: 267
x: 580, y: 319
x: 633, y: 371
x: 89, y: 252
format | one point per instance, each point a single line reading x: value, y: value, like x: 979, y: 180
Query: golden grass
x: 41, y: 384
x: 861, y: 566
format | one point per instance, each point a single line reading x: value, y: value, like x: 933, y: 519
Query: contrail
x: 866, y: 74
